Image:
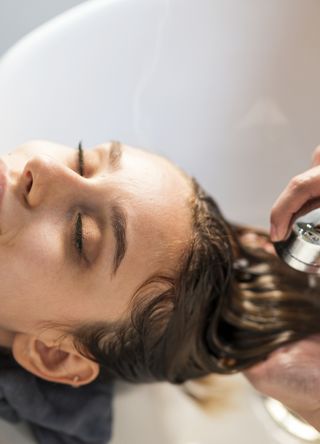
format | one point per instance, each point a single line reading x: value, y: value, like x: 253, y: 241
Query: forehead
x: 162, y: 181
x: 155, y: 196
x: 159, y: 211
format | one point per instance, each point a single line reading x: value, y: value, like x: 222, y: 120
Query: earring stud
x: 75, y: 380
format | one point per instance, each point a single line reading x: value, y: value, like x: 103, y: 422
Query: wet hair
x: 227, y: 307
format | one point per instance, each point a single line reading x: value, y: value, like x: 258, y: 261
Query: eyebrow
x: 118, y: 216
x: 119, y: 224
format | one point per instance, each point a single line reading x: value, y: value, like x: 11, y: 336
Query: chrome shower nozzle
x: 301, y: 250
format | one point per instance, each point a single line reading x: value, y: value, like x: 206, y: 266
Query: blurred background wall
x: 19, y: 17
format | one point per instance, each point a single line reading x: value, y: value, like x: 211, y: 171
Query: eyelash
x: 78, y: 237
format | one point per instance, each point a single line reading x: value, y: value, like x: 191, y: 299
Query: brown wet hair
x: 228, y: 306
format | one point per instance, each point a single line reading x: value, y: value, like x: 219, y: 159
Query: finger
x: 295, y: 201
x: 316, y: 156
x: 306, y: 208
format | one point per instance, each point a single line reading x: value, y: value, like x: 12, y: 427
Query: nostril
x: 28, y: 176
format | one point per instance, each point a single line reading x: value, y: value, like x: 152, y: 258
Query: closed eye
x: 81, y: 160
x: 78, y: 238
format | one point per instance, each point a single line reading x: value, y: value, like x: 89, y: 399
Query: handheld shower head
x: 301, y: 250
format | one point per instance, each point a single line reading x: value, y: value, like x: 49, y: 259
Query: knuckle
x: 299, y: 183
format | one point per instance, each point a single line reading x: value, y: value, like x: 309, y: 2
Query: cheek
x: 29, y: 256
x: 31, y: 278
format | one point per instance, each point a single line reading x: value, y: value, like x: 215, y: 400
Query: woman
x: 81, y: 234
x: 114, y: 263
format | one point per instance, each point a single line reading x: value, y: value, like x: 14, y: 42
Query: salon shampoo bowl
x: 228, y: 90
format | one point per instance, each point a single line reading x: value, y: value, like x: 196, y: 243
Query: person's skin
x: 291, y: 374
x: 43, y: 277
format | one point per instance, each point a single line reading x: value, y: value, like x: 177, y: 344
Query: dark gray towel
x: 57, y: 413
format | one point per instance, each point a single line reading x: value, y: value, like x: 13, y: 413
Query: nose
x: 43, y: 179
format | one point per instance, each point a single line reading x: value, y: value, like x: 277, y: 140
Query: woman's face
x: 135, y: 221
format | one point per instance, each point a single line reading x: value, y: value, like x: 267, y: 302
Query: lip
x: 3, y: 180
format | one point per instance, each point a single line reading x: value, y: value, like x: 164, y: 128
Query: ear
x: 56, y: 363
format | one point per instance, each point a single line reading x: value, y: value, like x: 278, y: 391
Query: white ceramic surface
x: 229, y: 90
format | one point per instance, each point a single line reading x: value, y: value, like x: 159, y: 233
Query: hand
x: 291, y: 375
x: 301, y: 195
